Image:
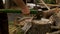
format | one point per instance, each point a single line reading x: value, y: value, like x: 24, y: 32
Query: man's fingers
x: 26, y: 10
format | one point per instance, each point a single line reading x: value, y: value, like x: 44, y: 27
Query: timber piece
x: 56, y: 32
x: 49, y: 13
x: 55, y: 27
x: 45, y: 4
x: 55, y: 5
x: 25, y: 22
x: 51, y: 5
x: 56, y: 19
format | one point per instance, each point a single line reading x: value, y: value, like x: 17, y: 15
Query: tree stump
x: 39, y: 28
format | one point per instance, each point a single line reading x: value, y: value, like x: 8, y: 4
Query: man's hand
x: 25, y: 10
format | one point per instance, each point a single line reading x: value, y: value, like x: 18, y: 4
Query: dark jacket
x: 3, y: 20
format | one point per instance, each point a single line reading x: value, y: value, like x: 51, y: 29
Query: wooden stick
x: 45, y: 4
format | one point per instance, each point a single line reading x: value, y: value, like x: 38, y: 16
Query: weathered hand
x: 26, y: 10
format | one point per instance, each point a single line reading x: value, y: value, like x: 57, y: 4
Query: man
x: 4, y: 18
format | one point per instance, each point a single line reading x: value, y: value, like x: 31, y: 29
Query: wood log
x: 49, y: 13
x: 56, y: 32
x: 45, y: 4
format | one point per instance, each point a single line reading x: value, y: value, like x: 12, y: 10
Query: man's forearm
x: 20, y: 3
x: 24, y: 8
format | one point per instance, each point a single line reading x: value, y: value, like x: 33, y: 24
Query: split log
x: 45, y: 4
x: 49, y: 13
x: 56, y: 32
